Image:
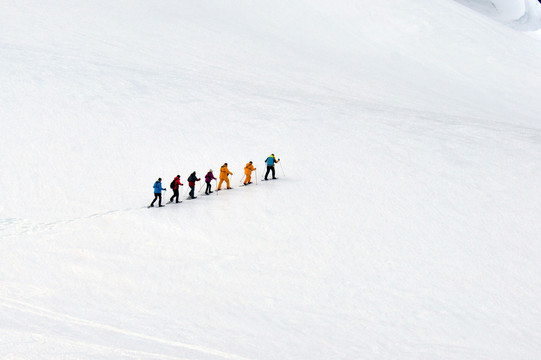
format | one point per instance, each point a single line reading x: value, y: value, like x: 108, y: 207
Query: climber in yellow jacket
x: 248, y: 172
x: 224, y: 173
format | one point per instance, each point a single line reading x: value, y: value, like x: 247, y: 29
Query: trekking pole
x: 256, y: 176
x: 242, y: 178
x: 283, y: 173
x: 201, y: 187
x: 216, y: 184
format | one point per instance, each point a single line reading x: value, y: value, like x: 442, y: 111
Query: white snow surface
x: 405, y: 223
x: 522, y: 15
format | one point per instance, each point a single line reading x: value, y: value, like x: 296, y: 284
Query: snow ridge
x: 523, y: 15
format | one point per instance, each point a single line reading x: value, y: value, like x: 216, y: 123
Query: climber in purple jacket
x: 208, y: 178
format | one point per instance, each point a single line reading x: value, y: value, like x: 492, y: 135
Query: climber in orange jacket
x: 248, y: 172
x: 224, y: 173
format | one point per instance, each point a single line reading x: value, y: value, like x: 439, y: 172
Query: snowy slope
x: 405, y: 222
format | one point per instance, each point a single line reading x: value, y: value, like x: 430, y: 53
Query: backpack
x: 172, y: 185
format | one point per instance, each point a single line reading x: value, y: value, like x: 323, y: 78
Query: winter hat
x: 159, y: 179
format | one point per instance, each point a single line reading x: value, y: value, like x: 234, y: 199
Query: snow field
x: 406, y: 224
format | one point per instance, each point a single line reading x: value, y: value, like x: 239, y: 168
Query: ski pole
x: 242, y: 178
x: 283, y: 173
x: 201, y: 186
x: 216, y: 184
x: 256, y: 176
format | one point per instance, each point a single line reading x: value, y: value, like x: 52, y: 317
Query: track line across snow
x: 40, y: 311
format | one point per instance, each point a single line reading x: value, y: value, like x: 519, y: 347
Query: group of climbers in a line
x: 224, y: 176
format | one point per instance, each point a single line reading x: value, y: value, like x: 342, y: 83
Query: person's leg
x: 227, y: 182
x: 273, y: 174
x: 160, y: 199
x: 248, y: 179
x: 268, y: 170
x: 153, y: 201
x: 220, y: 184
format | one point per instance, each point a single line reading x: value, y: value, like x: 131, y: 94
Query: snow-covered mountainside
x: 404, y: 223
x: 522, y: 15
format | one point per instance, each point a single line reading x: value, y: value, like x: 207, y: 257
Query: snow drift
x: 522, y: 15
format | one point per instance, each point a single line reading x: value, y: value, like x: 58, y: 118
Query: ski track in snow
x: 71, y: 320
x: 14, y: 227
x: 32, y: 339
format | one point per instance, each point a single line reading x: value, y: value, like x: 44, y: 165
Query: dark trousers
x: 207, y: 190
x: 157, y: 196
x: 175, y: 195
x: 192, y: 189
x: 269, y: 169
